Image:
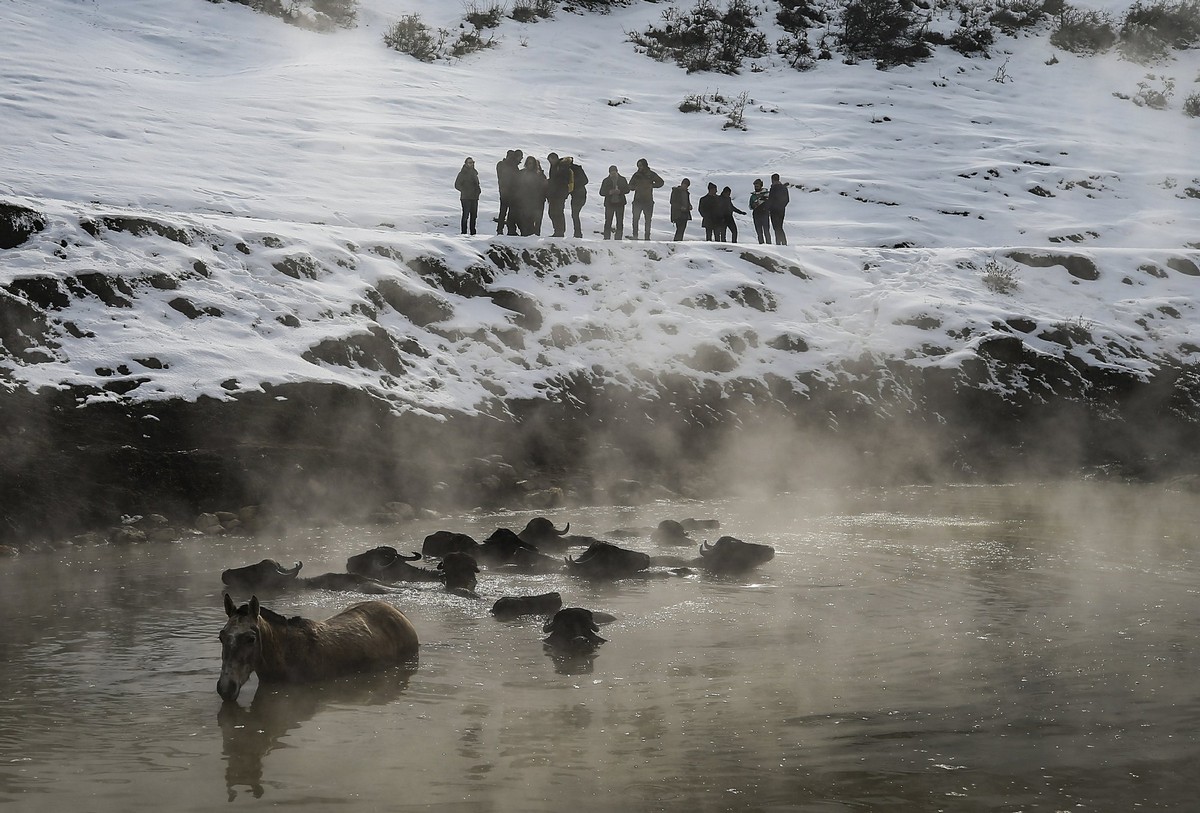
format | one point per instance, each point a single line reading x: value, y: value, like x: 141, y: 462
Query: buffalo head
x: 572, y: 629
x: 541, y: 533
x: 459, y: 570
x: 267, y: 574
x: 670, y: 532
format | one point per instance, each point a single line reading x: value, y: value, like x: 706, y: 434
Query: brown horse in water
x: 366, y: 636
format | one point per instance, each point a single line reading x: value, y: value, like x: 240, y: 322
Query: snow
x: 248, y: 131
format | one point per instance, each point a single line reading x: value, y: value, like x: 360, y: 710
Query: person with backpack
x: 577, y: 188
x: 681, y: 207
x: 507, y: 170
x: 613, y: 189
x: 467, y: 184
x: 643, y: 182
x: 531, y: 197
x: 727, y: 210
x: 777, y: 201
x: 712, y: 215
x: 760, y: 212
x: 557, y: 189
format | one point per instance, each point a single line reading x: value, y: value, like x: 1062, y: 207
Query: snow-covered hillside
x: 210, y: 108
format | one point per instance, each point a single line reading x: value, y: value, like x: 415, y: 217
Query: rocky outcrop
x: 429, y: 374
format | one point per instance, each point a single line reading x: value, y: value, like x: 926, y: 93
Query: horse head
x: 241, y: 647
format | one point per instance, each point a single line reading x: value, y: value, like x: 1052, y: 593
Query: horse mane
x: 295, y: 622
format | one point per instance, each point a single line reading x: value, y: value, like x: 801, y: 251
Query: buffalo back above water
x: 440, y: 543
x: 515, y: 606
x: 604, y: 560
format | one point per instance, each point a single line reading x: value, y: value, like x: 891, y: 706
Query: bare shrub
x: 484, y: 14
x: 1083, y: 32
x: 410, y: 35
x: 530, y: 11
x: 706, y: 38
x: 886, y: 31
x: 1191, y: 105
x: 999, y: 277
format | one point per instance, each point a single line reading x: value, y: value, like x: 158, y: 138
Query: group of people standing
x: 528, y: 193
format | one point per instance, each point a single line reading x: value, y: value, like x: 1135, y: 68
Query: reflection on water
x: 966, y: 649
x: 248, y: 734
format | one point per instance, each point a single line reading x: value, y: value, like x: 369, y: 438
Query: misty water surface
x: 960, y: 649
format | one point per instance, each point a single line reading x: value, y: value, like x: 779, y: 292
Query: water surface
x: 959, y: 648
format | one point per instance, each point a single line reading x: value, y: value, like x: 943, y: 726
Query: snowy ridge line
x: 436, y: 323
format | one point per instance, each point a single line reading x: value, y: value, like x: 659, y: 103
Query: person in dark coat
x: 760, y: 212
x: 777, y: 201
x: 578, y: 191
x: 681, y: 207
x: 613, y: 189
x: 506, y: 183
x: 467, y: 184
x: 729, y: 208
x: 558, y: 187
x: 712, y: 215
x: 531, y: 197
x: 643, y: 182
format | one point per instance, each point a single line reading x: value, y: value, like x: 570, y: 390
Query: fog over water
x: 970, y: 648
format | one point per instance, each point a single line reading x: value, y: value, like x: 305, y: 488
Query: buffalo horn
x: 705, y: 548
x: 412, y: 558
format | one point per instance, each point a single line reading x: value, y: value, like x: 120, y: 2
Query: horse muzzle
x: 228, y: 688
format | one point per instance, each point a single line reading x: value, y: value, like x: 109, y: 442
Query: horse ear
x: 229, y: 608
x: 254, y: 606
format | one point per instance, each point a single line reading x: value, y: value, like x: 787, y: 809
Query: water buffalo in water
x: 572, y: 629
x: 504, y: 547
x: 730, y: 555
x: 671, y: 532
x: 603, y: 560
x: 460, y: 570
x: 514, y: 606
x: 266, y: 575
x: 363, y: 637
x: 439, y: 543
x: 541, y: 533
x: 388, y: 565
x: 270, y: 575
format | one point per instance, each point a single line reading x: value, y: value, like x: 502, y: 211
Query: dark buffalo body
x: 515, y: 606
x: 603, y: 560
x: 504, y: 547
x: 439, y: 543
x: 266, y: 575
x: 386, y: 564
x: 730, y: 555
